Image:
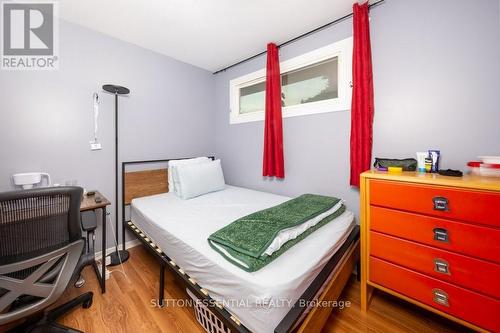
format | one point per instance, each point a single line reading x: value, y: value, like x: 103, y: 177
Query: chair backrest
x: 40, y: 245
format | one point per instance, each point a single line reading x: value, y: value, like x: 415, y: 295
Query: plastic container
x: 489, y: 170
x: 490, y: 159
x: 474, y: 167
x: 206, y: 318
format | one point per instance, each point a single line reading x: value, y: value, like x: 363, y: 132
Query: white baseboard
x: 128, y: 245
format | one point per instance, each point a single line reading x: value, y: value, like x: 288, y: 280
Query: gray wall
x: 46, y: 118
x: 437, y: 85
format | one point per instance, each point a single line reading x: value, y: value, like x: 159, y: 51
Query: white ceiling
x: 210, y: 34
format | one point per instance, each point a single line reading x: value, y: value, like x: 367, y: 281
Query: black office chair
x: 41, y: 253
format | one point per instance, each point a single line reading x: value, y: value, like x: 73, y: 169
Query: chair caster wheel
x: 87, y: 304
x: 80, y: 282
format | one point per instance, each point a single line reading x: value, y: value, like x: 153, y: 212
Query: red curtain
x: 362, y: 95
x: 273, y: 132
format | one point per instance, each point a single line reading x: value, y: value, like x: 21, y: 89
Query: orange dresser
x: 435, y: 242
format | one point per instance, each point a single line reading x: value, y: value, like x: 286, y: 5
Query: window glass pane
x: 314, y: 83
x: 252, y: 98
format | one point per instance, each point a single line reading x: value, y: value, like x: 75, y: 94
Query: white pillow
x: 172, y: 164
x: 193, y: 180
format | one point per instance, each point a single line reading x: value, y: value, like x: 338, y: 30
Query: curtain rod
x: 297, y: 38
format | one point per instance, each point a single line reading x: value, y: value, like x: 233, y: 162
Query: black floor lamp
x: 118, y: 256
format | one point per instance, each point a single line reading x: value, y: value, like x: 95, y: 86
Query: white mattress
x: 259, y: 299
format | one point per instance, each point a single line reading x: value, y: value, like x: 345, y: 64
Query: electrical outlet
x: 95, y: 145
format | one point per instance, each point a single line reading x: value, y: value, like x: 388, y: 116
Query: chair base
x: 46, y: 323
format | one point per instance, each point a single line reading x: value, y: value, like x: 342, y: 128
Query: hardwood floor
x: 126, y: 306
x: 386, y: 314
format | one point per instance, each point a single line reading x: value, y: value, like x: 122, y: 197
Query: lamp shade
x: 114, y: 89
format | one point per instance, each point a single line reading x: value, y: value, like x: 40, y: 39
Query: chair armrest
x: 88, y: 220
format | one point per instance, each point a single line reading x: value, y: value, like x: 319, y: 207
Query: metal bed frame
x: 291, y: 320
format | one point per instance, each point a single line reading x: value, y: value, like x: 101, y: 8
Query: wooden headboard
x: 137, y: 184
x: 143, y: 183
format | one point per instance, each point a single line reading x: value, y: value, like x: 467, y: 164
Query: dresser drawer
x: 477, y: 309
x: 469, y: 239
x: 479, y: 207
x: 467, y: 272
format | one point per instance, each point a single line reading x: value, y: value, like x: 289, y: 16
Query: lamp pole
x: 119, y: 256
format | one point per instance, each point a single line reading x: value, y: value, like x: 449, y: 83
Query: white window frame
x: 341, y: 49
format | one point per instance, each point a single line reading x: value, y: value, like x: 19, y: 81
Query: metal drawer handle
x: 441, y: 235
x: 441, y: 266
x: 440, y: 297
x: 441, y: 204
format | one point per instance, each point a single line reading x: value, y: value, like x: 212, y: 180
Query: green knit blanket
x: 244, y: 241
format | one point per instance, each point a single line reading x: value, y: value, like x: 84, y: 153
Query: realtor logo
x: 29, y: 36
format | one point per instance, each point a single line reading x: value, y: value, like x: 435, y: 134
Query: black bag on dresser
x: 408, y: 164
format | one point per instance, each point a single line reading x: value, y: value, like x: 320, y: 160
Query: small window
x: 316, y: 82
x: 253, y: 98
x: 310, y: 84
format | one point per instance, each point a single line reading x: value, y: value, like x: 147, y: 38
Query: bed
x: 176, y: 231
